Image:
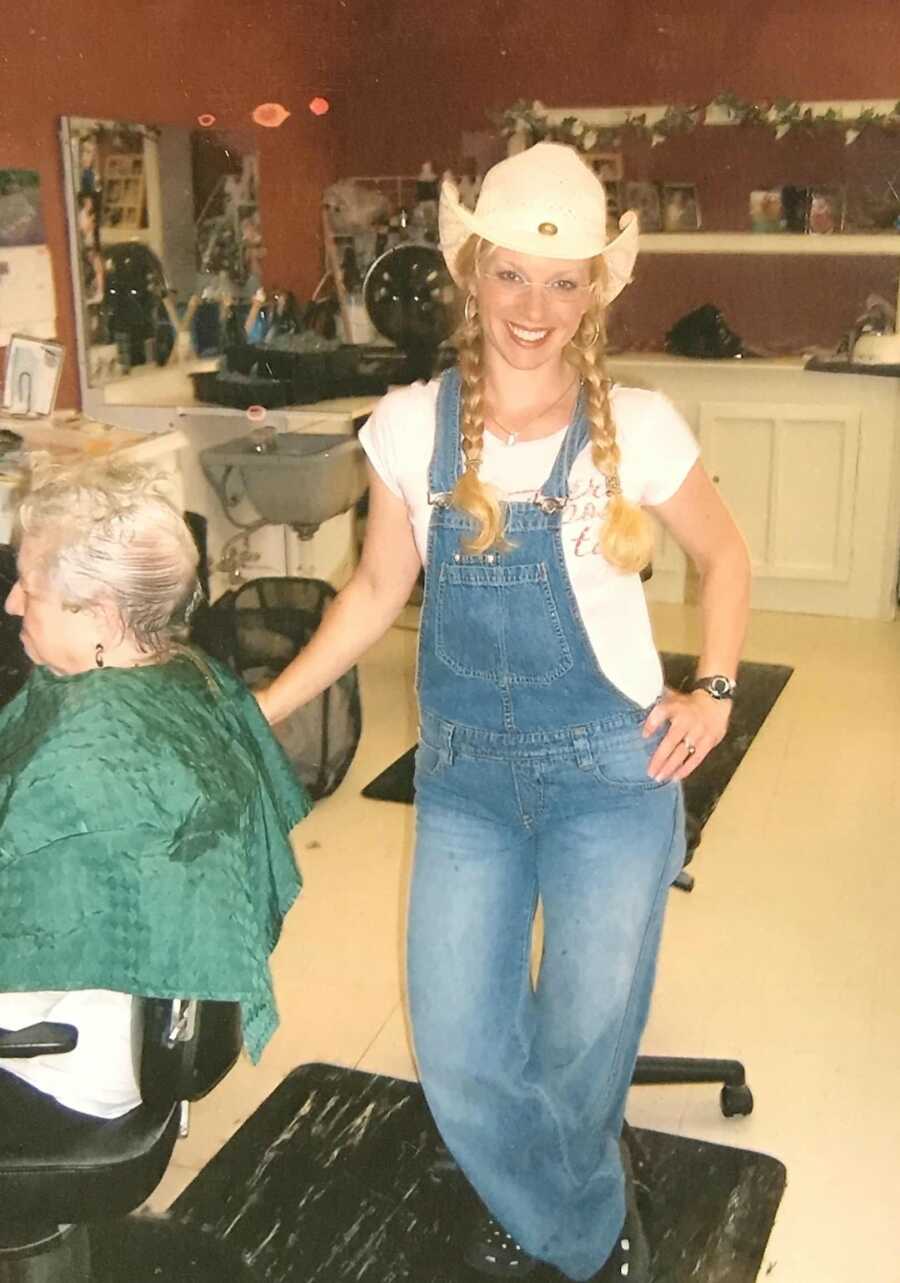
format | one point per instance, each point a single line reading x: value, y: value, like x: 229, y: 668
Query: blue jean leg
x: 604, y: 880
x: 472, y: 905
x: 528, y: 1088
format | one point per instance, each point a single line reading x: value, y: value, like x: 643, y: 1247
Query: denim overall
x: 531, y: 783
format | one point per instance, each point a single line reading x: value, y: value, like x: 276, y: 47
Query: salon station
x: 218, y: 252
x: 181, y: 345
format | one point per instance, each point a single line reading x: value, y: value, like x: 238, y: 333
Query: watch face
x: 719, y: 687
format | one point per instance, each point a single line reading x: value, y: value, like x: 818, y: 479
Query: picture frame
x: 766, y: 211
x: 680, y: 207
x: 795, y: 202
x: 827, y: 210
x: 643, y: 198
x: 873, y: 207
x: 609, y: 166
x: 31, y: 379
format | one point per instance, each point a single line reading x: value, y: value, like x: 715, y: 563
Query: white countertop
x: 69, y: 438
x: 667, y: 360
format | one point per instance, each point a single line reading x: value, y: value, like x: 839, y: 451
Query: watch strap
x: 716, y: 685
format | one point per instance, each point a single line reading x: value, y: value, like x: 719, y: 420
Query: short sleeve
x: 398, y: 437
x: 665, y: 448
x: 376, y: 439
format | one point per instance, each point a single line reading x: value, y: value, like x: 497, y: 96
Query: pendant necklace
x: 513, y: 437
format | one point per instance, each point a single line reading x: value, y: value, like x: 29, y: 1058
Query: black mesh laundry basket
x: 257, y: 629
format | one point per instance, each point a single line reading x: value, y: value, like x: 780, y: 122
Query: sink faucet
x: 264, y: 439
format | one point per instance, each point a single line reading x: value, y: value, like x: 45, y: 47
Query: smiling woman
x: 549, y: 753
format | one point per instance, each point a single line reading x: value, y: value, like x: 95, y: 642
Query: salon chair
x: 66, y: 1189
x: 735, y: 1096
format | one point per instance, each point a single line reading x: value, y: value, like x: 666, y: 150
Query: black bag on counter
x: 257, y: 629
x: 703, y: 333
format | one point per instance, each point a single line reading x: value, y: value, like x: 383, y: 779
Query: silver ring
x: 691, y: 748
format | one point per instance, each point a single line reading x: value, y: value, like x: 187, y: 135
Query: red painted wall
x: 426, y: 71
x: 167, y: 61
x: 437, y: 70
x: 407, y: 77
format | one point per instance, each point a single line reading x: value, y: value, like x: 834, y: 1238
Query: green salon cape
x: 144, y: 822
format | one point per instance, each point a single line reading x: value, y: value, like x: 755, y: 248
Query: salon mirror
x: 166, y: 248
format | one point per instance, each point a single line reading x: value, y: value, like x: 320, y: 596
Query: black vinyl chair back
x: 184, y: 1048
x: 73, y: 1168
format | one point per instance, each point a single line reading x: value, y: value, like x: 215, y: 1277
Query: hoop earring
x: 98, y: 654
x: 591, y: 342
x: 470, y: 310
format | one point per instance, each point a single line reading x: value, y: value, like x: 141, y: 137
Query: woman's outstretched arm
x: 360, y: 614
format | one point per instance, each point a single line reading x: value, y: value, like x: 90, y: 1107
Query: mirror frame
x: 148, y: 416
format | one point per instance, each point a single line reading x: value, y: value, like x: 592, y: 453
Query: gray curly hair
x: 107, y: 530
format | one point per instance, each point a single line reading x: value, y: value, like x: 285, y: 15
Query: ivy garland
x: 530, y: 121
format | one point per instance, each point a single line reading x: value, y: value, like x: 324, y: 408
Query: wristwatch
x: 718, y: 686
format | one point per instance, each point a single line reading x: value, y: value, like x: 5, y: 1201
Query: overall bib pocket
x: 500, y: 624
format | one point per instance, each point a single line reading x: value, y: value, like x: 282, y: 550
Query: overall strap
x: 555, y: 490
x: 444, y: 469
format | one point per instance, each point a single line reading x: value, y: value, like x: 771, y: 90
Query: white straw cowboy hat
x: 543, y: 201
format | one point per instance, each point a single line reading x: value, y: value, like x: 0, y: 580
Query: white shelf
x: 858, y: 243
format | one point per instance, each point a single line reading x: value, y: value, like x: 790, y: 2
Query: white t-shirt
x: 657, y: 449
x: 96, y: 1078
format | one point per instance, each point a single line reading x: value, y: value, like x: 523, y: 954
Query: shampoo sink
x: 293, y: 479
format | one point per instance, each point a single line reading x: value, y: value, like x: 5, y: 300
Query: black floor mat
x: 341, y: 1175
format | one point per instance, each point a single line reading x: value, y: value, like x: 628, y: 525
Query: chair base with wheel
x: 735, y: 1097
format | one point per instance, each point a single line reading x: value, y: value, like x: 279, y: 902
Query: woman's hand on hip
x: 697, y: 723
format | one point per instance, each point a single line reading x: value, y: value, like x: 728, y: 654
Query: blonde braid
x: 626, y: 535
x: 470, y: 493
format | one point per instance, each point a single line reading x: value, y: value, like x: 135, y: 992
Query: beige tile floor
x: 787, y: 954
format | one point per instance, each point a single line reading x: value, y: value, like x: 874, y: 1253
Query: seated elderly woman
x: 145, y: 808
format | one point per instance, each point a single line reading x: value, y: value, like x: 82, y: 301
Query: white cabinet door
x: 788, y: 475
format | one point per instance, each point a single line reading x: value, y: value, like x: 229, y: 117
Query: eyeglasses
x: 562, y: 291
